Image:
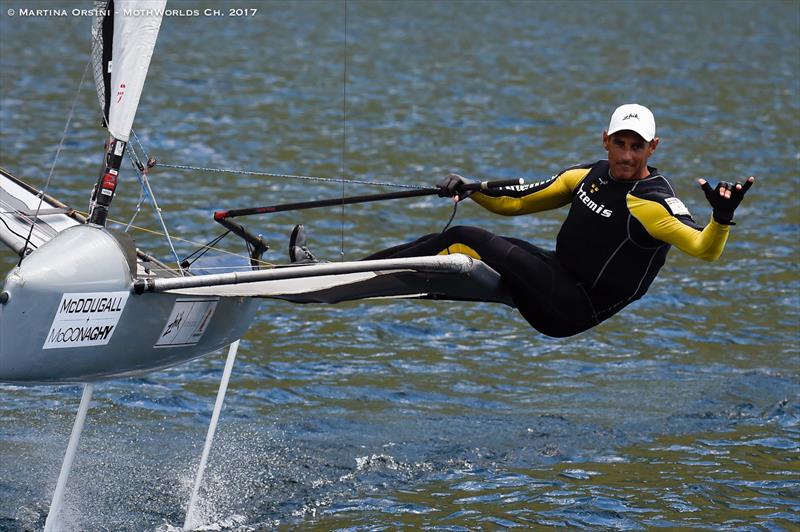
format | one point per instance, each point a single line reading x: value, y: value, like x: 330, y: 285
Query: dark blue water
x: 683, y: 411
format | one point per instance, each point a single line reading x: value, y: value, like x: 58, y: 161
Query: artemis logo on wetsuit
x: 599, y: 209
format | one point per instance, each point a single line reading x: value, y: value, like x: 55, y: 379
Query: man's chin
x: 624, y: 174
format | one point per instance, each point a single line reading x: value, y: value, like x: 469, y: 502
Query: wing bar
x: 455, y: 263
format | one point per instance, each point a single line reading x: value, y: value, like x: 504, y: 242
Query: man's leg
x: 401, y: 250
x: 545, y: 294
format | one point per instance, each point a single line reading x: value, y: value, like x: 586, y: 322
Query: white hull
x: 70, y: 315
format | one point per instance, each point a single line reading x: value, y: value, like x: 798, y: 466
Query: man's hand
x: 725, y: 198
x: 450, y: 187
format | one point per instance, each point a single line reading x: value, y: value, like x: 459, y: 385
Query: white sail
x: 136, y: 25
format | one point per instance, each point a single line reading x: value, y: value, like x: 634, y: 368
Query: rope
x: 55, y: 160
x: 452, y: 216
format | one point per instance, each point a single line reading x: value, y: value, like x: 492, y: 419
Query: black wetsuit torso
x: 603, y: 246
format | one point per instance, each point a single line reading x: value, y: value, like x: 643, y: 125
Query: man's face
x: 628, y: 154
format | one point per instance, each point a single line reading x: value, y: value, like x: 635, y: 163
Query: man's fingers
x: 705, y: 186
x: 742, y: 188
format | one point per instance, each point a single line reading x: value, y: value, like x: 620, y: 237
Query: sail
x: 102, y: 44
x: 123, y: 38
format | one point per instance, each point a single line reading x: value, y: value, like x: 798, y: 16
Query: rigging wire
x: 184, y: 240
x: 142, y: 191
x: 344, y: 125
x: 146, y: 190
x: 141, y: 175
x: 292, y: 176
x: 137, y: 210
x: 55, y: 160
x: 142, y: 195
x: 202, y: 250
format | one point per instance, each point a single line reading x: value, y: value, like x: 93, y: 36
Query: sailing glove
x: 724, y: 206
x: 452, y: 185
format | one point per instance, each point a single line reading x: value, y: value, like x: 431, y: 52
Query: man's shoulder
x: 583, y: 167
x: 655, y: 183
x: 573, y: 175
x: 658, y: 188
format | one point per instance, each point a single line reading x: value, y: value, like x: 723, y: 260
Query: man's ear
x: 605, y: 139
x: 654, y: 145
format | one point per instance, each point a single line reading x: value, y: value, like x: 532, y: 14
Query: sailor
x: 623, y: 218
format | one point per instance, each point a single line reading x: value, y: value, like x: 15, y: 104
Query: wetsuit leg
x: 544, y: 293
x: 405, y: 250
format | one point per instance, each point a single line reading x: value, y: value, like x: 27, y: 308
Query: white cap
x: 633, y: 117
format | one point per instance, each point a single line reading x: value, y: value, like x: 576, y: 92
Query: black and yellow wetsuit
x: 609, y: 249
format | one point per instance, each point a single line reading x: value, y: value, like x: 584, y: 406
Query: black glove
x: 725, y: 198
x: 452, y: 185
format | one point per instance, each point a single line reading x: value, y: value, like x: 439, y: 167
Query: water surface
x: 680, y: 412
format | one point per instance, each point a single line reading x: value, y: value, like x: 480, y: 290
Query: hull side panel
x: 71, y: 316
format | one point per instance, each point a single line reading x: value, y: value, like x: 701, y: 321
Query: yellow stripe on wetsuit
x: 550, y: 194
x: 460, y: 248
x: 662, y: 225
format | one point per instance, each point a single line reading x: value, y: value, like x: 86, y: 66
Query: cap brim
x: 644, y: 137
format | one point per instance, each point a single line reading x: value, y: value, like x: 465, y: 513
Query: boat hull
x: 69, y: 315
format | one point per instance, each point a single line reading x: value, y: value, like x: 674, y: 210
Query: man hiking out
x: 623, y: 218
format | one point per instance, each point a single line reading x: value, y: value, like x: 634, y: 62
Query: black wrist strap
x: 724, y: 219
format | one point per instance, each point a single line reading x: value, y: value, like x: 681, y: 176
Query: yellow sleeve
x: 526, y: 199
x: 660, y: 224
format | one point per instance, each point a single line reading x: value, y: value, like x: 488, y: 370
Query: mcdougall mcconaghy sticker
x: 85, y: 319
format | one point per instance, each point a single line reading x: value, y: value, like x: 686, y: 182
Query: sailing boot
x: 298, y: 247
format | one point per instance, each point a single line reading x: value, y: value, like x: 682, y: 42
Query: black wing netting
x: 102, y: 41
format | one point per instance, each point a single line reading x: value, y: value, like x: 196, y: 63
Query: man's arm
x: 526, y: 199
x: 668, y: 220
x: 661, y: 224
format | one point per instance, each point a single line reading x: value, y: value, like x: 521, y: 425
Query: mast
x: 123, y: 37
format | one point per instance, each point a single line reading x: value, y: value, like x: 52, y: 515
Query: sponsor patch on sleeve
x: 676, y: 206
